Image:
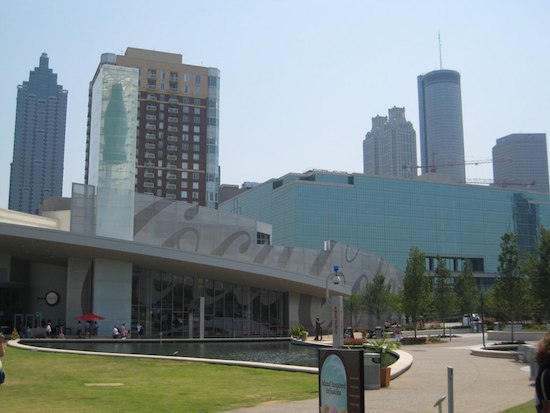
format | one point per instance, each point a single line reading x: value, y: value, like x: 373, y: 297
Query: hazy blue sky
x: 300, y: 79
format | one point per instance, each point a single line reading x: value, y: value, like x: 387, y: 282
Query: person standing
x: 139, y: 329
x: 542, y: 382
x: 318, y: 329
x: 2, y: 374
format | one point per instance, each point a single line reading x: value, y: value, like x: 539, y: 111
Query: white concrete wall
x: 20, y: 218
x: 112, y: 297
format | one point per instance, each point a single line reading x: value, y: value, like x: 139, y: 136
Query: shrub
x: 413, y: 340
x: 353, y: 341
x: 298, y: 332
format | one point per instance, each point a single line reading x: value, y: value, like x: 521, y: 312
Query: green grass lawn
x: 55, y: 382
x: 528, y: 407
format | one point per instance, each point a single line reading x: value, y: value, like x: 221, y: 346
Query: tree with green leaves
x: 416, y: 283
x: 538, y: 269
x: 376, y: 297
x: 510, y: 289
x: 467, y: 293
x: 443, y: 294
x: 354, y: 305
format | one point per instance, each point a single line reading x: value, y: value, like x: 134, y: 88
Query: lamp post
x: 337, y: 304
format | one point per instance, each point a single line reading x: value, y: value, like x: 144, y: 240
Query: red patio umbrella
x: 89, y: 317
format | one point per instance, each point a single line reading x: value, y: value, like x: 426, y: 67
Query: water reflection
x: 279, y: 352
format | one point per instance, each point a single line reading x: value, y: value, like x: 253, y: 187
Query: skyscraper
x: 178, y: 123
x: 39, y: 140
x: 441, y: 134
x: 522, y: 161
x: 390, y: 147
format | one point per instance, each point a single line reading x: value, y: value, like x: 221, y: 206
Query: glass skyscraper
x: 520, y: 161
x: 441, y: 134
x: 39, y: 140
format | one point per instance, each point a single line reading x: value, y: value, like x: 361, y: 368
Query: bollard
x: 450, y: 391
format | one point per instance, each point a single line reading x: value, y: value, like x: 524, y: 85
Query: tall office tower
x: 441, y: 135
x: 178, y: 126
x: 390, y: 147
x: 39, y: 140
x: 520, y: 161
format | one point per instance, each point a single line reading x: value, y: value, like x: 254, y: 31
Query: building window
x: 262, y: 238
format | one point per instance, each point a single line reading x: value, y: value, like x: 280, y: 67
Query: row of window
x: 173, y: 76
x: 174, y: 99
x: 170, y: 185
x: 173, y: 119
x: 170, y: 138
x: 171, y: 128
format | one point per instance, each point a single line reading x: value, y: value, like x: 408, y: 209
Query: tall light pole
x: 337, y: 304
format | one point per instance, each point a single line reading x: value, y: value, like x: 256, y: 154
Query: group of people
x: 87, y: 328
x: 122, y: 332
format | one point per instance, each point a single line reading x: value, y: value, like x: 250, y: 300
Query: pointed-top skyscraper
x: 441, y: 134
x: 39, y: 140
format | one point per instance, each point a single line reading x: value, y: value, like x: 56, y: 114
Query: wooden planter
x: 385, y: 375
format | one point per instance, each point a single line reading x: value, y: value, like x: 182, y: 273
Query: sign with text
x: 341, y: 381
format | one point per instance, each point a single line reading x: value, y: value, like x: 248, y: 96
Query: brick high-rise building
x: 39, y: 140
x: 178, y: 124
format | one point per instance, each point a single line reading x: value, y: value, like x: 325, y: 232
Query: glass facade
x: 39, y: 140
x: 387, y: 216
x: 113, y: 149
x: 520, y: 161
x: 170, y: 303
x: 441, y: 132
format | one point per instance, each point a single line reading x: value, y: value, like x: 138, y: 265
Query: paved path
x: 484, y: 385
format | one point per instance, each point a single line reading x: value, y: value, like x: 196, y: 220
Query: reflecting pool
x: 278, y: 352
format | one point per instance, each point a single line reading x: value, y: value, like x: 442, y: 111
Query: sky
x: 300, y: 79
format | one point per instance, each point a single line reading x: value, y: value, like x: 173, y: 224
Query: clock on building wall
x: 52, y: 298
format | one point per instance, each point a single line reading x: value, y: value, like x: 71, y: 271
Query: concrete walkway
x: 484, y: 385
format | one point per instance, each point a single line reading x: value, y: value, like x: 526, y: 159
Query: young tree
x: 415, y: 286
x: 510, y: 287
x: 538, y: 270
x: 443, y: 295
x: 466, y: 291
x: 354, y: 305
x: 376, y: 297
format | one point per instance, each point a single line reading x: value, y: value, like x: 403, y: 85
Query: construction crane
x: 433, y: 167
x: 502, y: 183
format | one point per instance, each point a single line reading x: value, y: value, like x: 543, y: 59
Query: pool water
x: 278, y: 352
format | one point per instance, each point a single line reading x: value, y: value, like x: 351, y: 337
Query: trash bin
x: 371, y: 367
x: 378, y: 333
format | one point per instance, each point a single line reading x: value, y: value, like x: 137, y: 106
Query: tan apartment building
x: 177, y: 126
